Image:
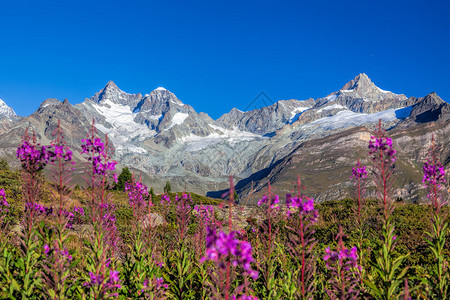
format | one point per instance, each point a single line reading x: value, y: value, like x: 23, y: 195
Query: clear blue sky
x: 215, y: 55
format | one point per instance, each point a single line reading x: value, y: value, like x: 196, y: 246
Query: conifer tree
x: 167, y: 187
x: 125, y: 176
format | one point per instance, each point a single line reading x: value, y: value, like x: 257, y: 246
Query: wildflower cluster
x: 273, y: 202
x: 188, y: 254
x: 108, y: 223
x: 380, y: 146
x: 205, y: 213
x: 137, y: 199
x: 343, y: 264
x: 62, y: 253
x: 3, y: 201
x: 165, y: 200
x: 137, y: 193
x: 39, y: 209
x: 60, y: 151
x: 304, y: 205
x: 32, y: 155
x: 99, y: 281
x: 3, y: 206
x: 344, y: 254
x: 95, y: 149
x: 359, y: 171
x: 433, y: 175
x: 155, y: 288
x: 222, y: 247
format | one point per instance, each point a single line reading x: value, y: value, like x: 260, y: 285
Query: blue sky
x: 215, y: 55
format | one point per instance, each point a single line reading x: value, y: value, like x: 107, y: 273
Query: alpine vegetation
x: 111, y: 239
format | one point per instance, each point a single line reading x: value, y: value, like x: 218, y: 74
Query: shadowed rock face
x: 166, y: 139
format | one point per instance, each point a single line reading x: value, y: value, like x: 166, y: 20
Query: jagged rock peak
x: 362, y: 84
x: 111, y: 85
x: 161, y: 94
x: 433, y: 97
x: 112, y: 93
x: 49, y: 101
x: 236, y: 110
x: 6, y: 111
x: 361, y: 87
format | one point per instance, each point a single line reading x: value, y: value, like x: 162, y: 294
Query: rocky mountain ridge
x: 165, y: 139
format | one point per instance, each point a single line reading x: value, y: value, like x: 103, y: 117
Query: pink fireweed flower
x: 433, y: 173
x: 39, y: 209
x: 304, y: 204
x: 96, y: 150
x: 343, y: 255
x: 78, y: 210
x: 137, y: 193
x: 160, y: 283
x: 59, y: 151
x: 3, y: 201
x: 344, y: 269
x: 59, y: 254
x: 165, y: 200
x: 223, y: 247
x: 32, y: 155
x: 156, y: 288
x: 98, y: 280
x: 204, y: 212
x: 381, y: 145
x: 359, y: 171
x: 273, y: 201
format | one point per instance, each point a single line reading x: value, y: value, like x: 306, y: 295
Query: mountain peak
x: 112, y: 93
x: 433, y: 97
x: 360, y: 82
x: 160, y: 90
x: 6, y: 111
x: 111, y: 86
x: 361, y: 86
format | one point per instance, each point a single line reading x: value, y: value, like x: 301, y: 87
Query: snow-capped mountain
x: 133, y: 121
x: 6, y: 111
x: 156, y: 133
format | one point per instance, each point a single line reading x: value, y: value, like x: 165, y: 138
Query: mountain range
x: 156, y: 134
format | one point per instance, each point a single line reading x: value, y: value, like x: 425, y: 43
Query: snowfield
x: 123, y: 128
x: 194, y: 142
x: 348, y: 118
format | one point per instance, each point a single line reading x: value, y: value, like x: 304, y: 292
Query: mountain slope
x: 159, y: 135
x: 325, y: 163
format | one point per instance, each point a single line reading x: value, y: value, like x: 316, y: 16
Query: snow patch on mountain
x: 232, y: 136
x: 334, y: 106
x: 123, y: 128
x: 155, y: 117
x: 177, y: 119
x: 331, y: 98
x: 297, y: 111
x: 347, y: 118
x: 383, y: 91
x: 295, y: 114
